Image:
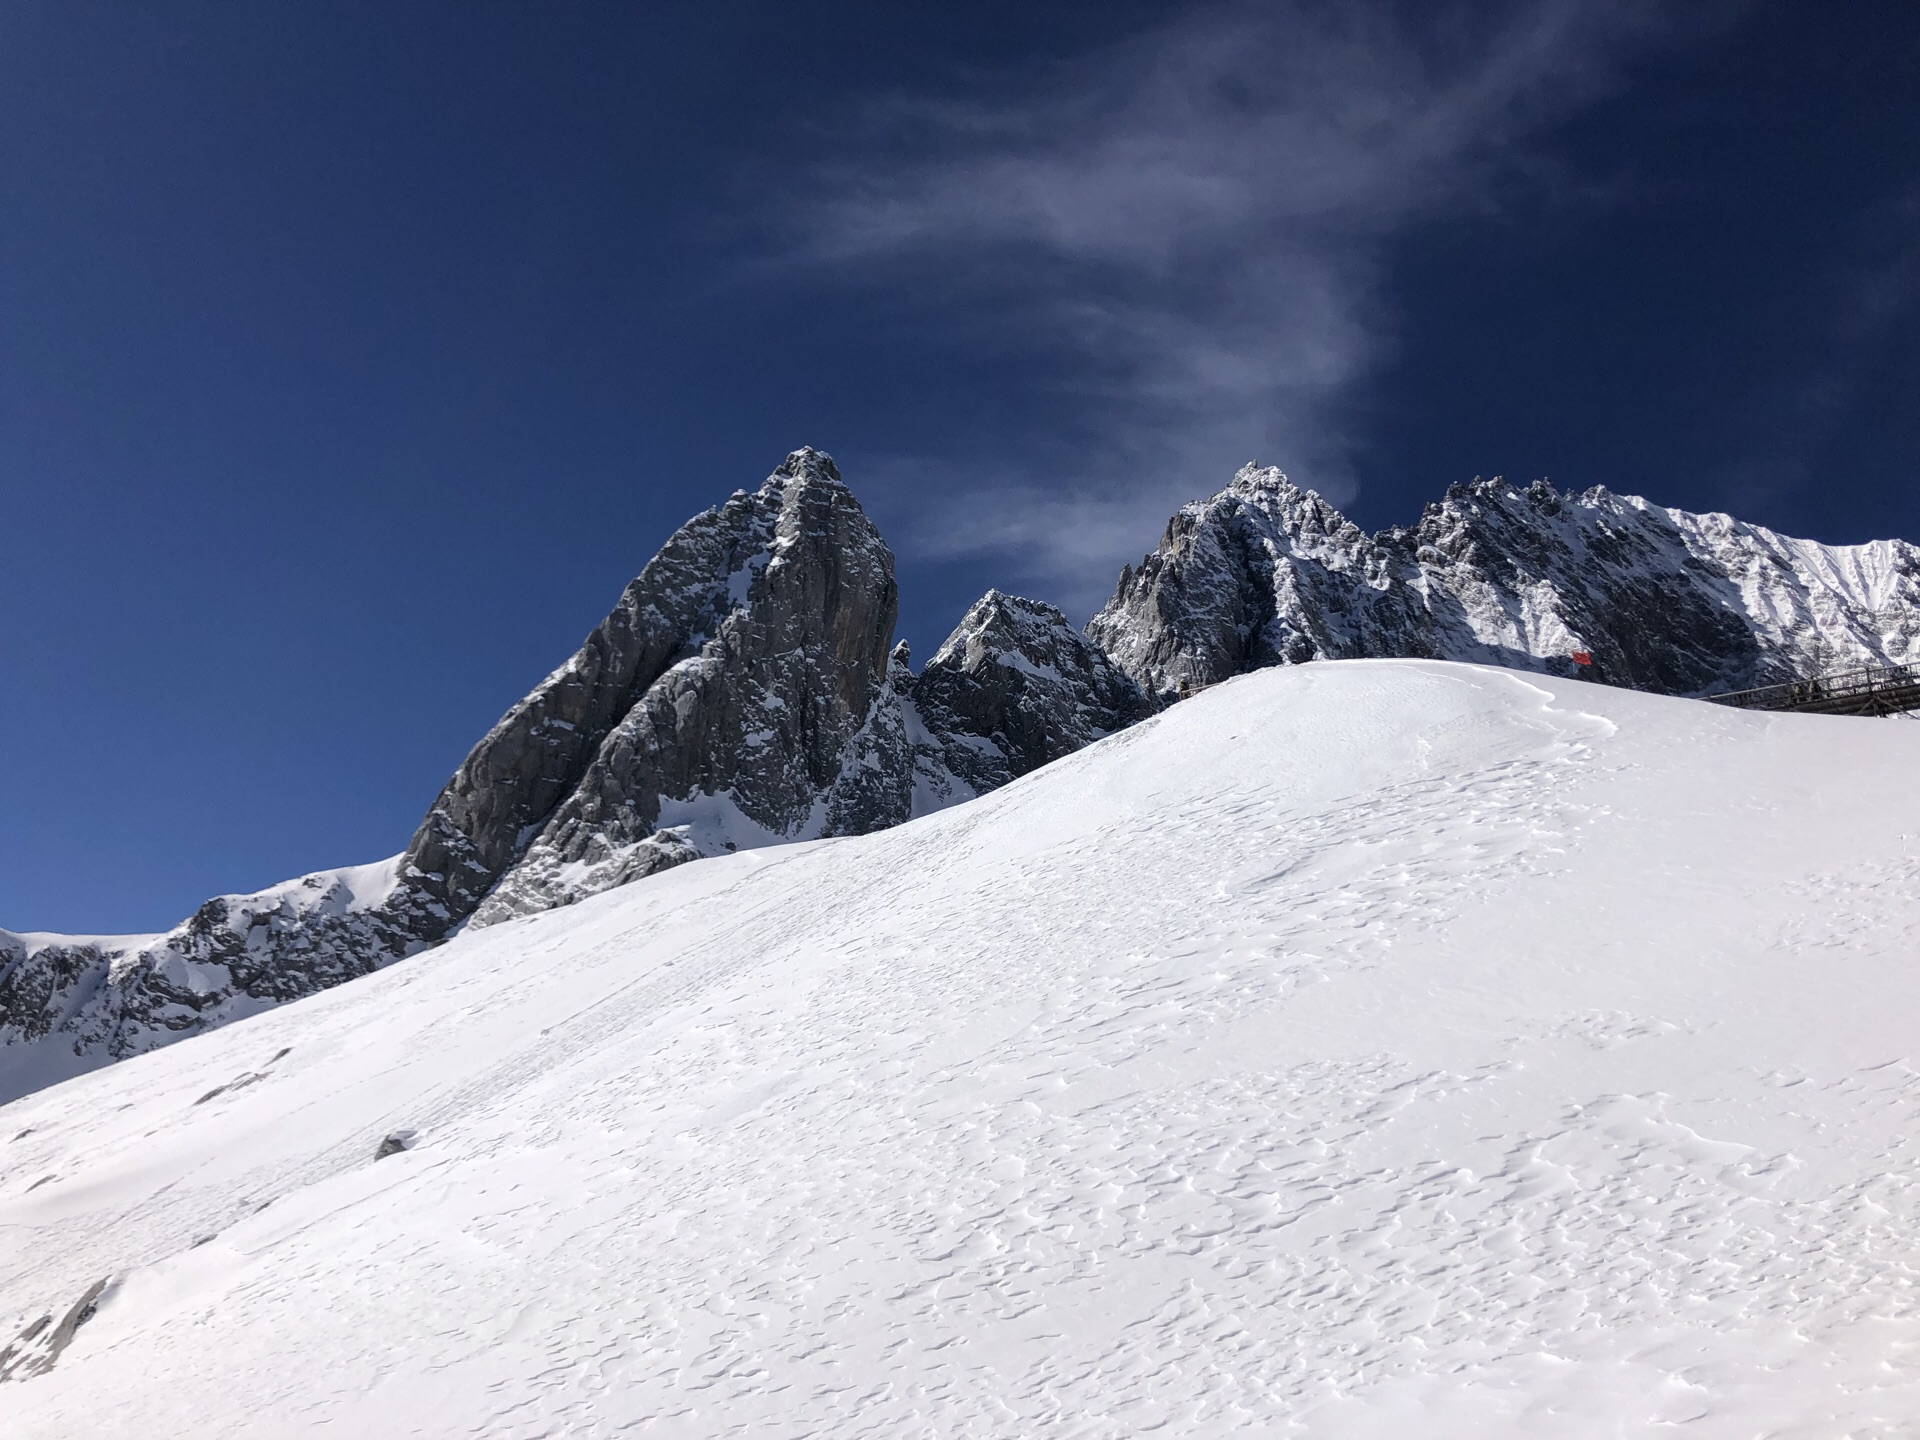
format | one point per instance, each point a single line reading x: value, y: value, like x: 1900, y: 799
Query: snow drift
x: 1367, y: 1048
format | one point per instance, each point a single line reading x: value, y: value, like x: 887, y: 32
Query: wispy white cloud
x: 1184, y: 233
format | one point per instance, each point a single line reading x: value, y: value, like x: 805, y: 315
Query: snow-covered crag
x: 737, y: 696
x: 1265, y: 573
x: 1014, y: 688
x: 743, y: 692
x: 69, y: 1003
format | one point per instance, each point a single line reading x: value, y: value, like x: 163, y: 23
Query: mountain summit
x: 736, y: 696
x: 1265, y: 573
x: 745, y: 691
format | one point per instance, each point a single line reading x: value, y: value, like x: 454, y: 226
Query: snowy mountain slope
x: 740, y: 693
x: 740, y: 670
x: 1266, y: 573
x: 1356, y: 1050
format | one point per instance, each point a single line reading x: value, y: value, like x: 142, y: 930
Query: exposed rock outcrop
x: 1014, y: 687
x: 80, y: 1001
x: 742, y: 692
x: 1265, y: 573
x: 38, y: 1347
x: 765, y: 628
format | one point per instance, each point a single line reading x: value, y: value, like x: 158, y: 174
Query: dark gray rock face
x: 1265, y: 573
x: 1014, y: 687
x: 750, y: 720
x: 740, y: 693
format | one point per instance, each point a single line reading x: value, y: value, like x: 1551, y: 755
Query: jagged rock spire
x: 765, y: 627
x: 1015, y: 687
x: 739, y: 692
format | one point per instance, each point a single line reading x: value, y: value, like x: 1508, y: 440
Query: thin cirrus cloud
x: 1178, y: 239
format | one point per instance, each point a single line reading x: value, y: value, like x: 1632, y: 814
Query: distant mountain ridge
x: 745, y: 691
x: 1266, y: 573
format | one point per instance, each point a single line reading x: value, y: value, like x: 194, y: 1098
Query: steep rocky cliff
x: 738, y: 694
x: 744, y: 691
x: 1014, y: 687
x: 750, y: 720
x: 1265, y: 573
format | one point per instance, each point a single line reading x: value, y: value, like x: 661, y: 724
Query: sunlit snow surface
x: 1377, y: 1048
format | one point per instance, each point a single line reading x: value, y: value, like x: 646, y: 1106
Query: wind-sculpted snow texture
x: 1358, y: 1050
x: 1266, y: 573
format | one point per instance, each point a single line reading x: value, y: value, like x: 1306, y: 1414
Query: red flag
x: 1583, y: 657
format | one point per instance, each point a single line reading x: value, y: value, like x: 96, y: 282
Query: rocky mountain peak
x: 1254, y: 478
x: 1280, y: 503
x: 807, y: 464
x: 745, y: 690
x: 1264, y: 573
x: 775, y: 632
x: 1014, y: 687
x: 738, y: 693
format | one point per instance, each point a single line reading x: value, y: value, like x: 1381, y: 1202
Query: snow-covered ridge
x: 1267, y: 573
x: 1357, y: 1050
x: 745, y: 692
x: 72, y: 1002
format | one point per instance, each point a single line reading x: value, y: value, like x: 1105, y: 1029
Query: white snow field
x: 1363, y: 1049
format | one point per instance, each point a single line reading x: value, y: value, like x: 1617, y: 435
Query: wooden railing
x: 1864, y: 690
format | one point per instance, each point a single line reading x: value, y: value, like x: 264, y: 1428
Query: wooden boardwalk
x: 1865, y: 690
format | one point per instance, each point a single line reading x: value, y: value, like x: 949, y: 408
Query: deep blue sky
x: 353, y: 356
